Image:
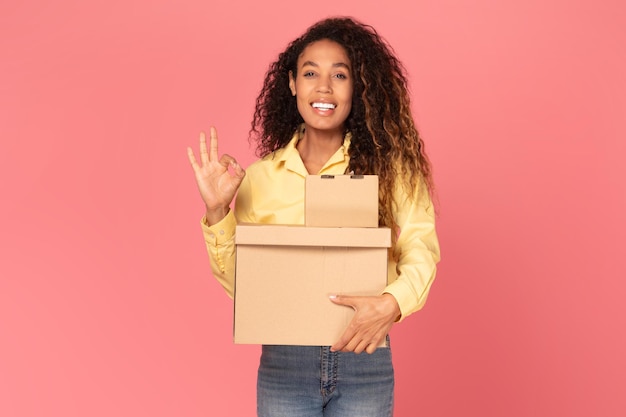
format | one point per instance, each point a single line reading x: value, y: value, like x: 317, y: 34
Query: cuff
x: 221, y: 232
x: 407, y: 300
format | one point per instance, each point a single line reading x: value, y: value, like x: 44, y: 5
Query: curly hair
x: 384, y: 141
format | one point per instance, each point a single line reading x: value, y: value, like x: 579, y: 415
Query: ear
x: 292, y: 84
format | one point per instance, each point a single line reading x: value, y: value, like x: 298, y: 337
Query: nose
x: 323, y: 85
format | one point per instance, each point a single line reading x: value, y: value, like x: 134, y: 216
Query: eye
x: 308, y: 74
x: 341, y: 76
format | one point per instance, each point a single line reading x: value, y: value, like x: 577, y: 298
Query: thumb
x: 343, y: 300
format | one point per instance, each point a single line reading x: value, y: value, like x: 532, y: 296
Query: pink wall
x: 107, y: 306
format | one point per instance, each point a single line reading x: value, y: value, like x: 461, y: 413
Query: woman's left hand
x: 373, y: 318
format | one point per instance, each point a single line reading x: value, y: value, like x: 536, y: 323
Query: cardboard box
x: 341, y: 201
x: 286, y: 273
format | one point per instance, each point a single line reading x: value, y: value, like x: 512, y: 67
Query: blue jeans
x: 312, y: 381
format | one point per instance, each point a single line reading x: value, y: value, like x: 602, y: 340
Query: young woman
x: 334, y: 102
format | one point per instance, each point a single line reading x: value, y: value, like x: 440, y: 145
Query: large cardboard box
x: 285, y: 274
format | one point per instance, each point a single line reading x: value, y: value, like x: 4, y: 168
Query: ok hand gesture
x: 216, y: 183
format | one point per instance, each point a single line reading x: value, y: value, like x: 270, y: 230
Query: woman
x: 334, y: 102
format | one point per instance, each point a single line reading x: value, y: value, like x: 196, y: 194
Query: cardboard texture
x: 285, y: 274
x: 341, y: 201
x: 282, y: 288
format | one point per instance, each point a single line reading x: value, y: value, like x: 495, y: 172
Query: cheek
x: 348, y: 101
x: 301, y: 104
x: 348, y: 109
x: 347, y: 96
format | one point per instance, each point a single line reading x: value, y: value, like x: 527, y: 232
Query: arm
x: 218, y: 180
x: 417, y: 251
x: 220, y: 244
x: 220, y: 239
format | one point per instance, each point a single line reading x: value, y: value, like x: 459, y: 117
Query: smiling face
x: 323, y: 86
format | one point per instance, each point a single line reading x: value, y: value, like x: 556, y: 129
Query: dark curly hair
x: 385, y: 140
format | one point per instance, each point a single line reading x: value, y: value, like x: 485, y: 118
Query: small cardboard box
x: 286, y: 273
x: 341, y: 200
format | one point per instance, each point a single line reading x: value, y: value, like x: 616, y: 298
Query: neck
x: 321, y: 143
x: 316, y: 147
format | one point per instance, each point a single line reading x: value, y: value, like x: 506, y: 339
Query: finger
x: 371, y: 348
x: 192, y: 159
x: 239, y: 171
x: 227, y: 160
x: 356, y: 345
x: 213, y: 145
x: 204, y: 155
x: 344, y: 300
x: 345, y: 339
x: 360, y: 347
x: 366, y: 344
x: 341, y: 343
x: 350, y: 332
x: 337, y: 347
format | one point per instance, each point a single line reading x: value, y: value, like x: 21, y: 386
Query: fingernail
x: 332, y: 296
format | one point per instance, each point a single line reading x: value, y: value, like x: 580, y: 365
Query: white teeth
x: 325, y: 106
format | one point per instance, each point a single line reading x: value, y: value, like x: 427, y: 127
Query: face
x: 323, y: 86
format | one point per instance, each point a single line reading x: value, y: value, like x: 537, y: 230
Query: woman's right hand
x: 216, y: 183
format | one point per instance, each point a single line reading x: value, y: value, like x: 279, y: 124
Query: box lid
x: 278, y: 235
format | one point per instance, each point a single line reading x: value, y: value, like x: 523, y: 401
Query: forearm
x: 215, y: 215
x: 416, y: 252
x: 220, y: 243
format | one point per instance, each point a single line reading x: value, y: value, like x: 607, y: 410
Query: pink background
x: 107, y: 306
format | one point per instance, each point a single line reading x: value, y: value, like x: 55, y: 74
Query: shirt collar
x: 291, y: 157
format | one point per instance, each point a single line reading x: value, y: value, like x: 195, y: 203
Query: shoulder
x: 275, y: 160
x: 266, y: 163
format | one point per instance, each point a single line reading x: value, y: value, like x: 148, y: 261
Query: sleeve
x: 416, y: 251
x: 220, y: 244
x: 220, y: 239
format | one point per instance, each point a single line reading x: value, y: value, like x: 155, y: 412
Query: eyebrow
x: 335, y: 65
